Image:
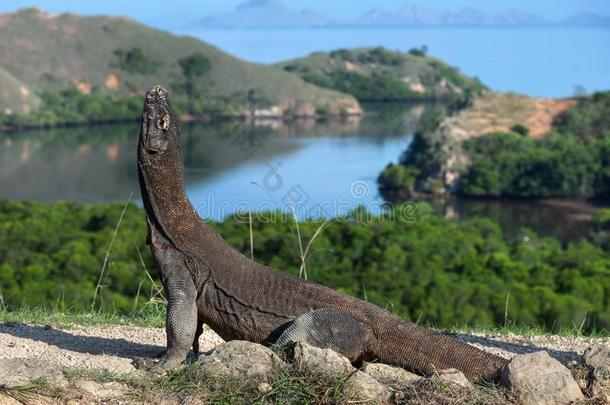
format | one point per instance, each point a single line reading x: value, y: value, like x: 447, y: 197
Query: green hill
x: 377, y: 74
x: 508, y: 145
x: 73, y: 68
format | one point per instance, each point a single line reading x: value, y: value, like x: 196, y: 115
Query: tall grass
x: 98, y: 287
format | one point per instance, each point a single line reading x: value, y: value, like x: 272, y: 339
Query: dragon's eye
x: 163, y: 123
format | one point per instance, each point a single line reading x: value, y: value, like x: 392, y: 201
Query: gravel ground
x: 109, y: 347
x: 567, y: 350
x: 114, y: 347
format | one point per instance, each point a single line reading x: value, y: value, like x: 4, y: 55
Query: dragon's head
x: 159, y: 133
x: 160, y: 168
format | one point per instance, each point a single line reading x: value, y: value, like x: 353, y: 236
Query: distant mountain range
x: 274, y: 14
x: 588, y: 19
x: 468, y: 17
x: 265, y: 14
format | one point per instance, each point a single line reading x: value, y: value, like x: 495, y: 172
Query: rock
x: 240, y: 359
x: 8, y: 400
x: 454, y: 378
x: 538, y: 379
x: 359, y: 386
x: 596, y: 359
x: 388, y: 375
x: 271, y: 112
x: 325, y: 362
x: 102, y: 391
x: 362, y: 388
x: 264, y: 387
x: 15, y: 372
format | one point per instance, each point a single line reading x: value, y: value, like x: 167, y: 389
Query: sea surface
x: 544, y: 62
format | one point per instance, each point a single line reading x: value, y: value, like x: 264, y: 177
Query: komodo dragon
x: 207, y: 281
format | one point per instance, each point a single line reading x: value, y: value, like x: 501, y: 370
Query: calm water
x: 327, y: 167
x: 547, y: 62
x: 323, y: 169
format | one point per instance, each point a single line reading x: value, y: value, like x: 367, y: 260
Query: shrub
x: 520, y: 129
x: 408, y: 260
x: 558, y: 165
x: 375, y: 87
x: 589, y: 119
x: 398, y: 177
x: 195, y: 65
x: 135, y: 61
x: 421, y: 51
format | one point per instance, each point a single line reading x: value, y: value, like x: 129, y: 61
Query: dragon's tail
x: 425, y: 351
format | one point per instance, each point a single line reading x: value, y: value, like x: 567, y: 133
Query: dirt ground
x: 499, y: 112
x: 115, y: 347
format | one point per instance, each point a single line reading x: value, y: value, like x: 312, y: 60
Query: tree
x: 193, y: 67
x: 422, y: 51
x: 520, y: 129
x: 135, y: 61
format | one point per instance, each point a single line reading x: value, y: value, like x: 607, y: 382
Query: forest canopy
x: 419, y: 266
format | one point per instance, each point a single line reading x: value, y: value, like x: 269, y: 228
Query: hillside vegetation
x: 422, y: 267
x: 69, y: 68
x: 511, y: 146
x: 378, y: 74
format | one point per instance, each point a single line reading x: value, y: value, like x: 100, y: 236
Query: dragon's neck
x: 168, y: 208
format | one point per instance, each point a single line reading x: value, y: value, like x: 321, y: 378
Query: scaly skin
x: 207, y: 281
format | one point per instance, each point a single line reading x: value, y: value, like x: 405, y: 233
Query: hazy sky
x: 176, y: 13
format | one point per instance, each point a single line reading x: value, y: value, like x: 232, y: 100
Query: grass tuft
x: 150, y: 316
x: 285, y: 386
x: 431, y: 391
x: 154, y: 316
x: 27, y: 393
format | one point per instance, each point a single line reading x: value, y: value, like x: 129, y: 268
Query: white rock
x: 102, y: 391
x: 325, y: 362
x: 359, y: 387
x: 264, y: 387
x: 362, y: 388
x: 597, y: 361
x: 390, y: 375
x: 455, y: 378
x: 538, y: 379
x: 240, y: 359
x: 15, y: 372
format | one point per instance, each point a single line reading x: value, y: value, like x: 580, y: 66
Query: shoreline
x: 569, y: 202
x: 188, y: 119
